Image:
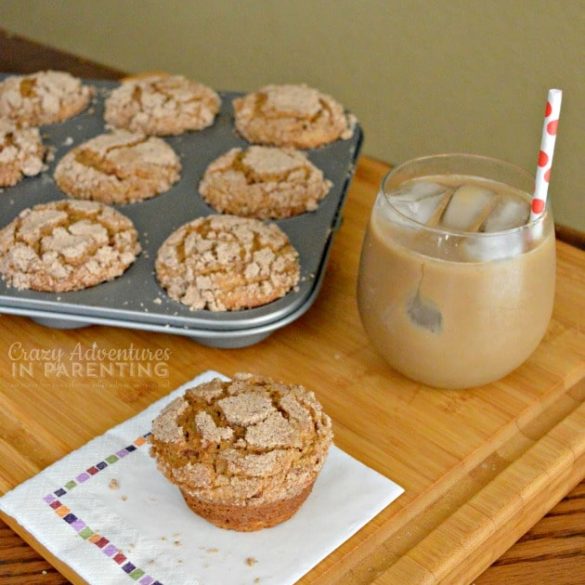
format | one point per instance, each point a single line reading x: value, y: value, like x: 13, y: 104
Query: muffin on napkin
x: 245, y: 453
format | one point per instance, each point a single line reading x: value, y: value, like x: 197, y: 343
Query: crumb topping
x: 223, y: 262
x: 246, y: 409
x: 274, y: 431
x: 120, y: 167
x: 44, y: 97
x: 21, y: 153
x: 291, y: 100
x: 235, y: 441
x: 263, y: 182
x: 164, y: 426
x: 66, y: 245
x: 209, y: 431
x: 290, y: 115
x: 262, y: 163
x: 162, y: 105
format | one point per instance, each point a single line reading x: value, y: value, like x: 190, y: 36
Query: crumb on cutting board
x: 114, y: 484
x: 251, y: 561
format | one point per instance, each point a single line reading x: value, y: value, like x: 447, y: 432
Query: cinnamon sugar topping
x: 242, y: 443
x: 45, y: 97
x: 227, y: 263
x: 66, y: 245
x: 291, y: 100
x: 164, y: 426
x: 162, y: 105
x: 120, y: 167
x: 263, y: 182
x: 21, y: 153
x: 246, y: 409
x: 290, y: 115
x: 273, y: 432
x: 210, y: 432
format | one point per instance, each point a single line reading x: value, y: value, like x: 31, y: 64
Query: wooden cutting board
x: 479, y: 467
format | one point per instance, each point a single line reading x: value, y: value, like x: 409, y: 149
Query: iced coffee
x: 456, y: 284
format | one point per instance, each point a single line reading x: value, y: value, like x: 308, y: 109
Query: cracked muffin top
x: 290, y: 115
x: 66, y: 245
x: 227, y: 263
x: 263, y: 182
x: 250, y: 439
x: 21, y: 153
x: 162, y: 105
x: 118, y: 167
x: 41, y: 98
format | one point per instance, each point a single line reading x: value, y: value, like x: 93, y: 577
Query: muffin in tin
x: 118, y: 168
x: 263, y: 182
x: 45, y: 97
x: 21, y: 153
x: 291, y: 115
x: 162, y: 105
x: 227, y: 263
x: 66, y: 245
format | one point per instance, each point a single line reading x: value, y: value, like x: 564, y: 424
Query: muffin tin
x: 135, y: 300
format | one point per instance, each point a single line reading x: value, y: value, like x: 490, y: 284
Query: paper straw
x: 547, y: 149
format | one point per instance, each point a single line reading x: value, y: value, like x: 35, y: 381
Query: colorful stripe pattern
x: 53, y: 500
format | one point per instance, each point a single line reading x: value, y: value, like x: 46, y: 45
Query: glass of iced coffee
x: 456, y: 283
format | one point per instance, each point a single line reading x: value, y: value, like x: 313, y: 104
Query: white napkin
x: 107, y: 512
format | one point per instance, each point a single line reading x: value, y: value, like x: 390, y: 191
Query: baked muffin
x: 162, y: 105
x: 263, y: 182
x: 21, y: 153
x: 45, y: 97
x: 290, y: 115
x: 245, y: 453
x: 227, y: 263
x: 118, y: 167
x: 66, y: 245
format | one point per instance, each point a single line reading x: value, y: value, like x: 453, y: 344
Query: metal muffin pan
x: 131, y: 300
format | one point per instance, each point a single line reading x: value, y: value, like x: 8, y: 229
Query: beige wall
x: 423, y: 76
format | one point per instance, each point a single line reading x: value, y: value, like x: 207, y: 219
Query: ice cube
x: 420, y: 201
x: 510, y: 212
x: 423, y: 210
x: 488, y: 248
x: 468, y: 208
x: 415, y: 189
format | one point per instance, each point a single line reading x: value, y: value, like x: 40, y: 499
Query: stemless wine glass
x: 448, y: 308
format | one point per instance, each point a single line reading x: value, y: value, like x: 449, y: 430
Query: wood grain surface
x: 20, y: 55
x: 480, y: 467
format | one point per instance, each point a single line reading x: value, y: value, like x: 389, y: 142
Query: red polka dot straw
x: 545, y: 156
